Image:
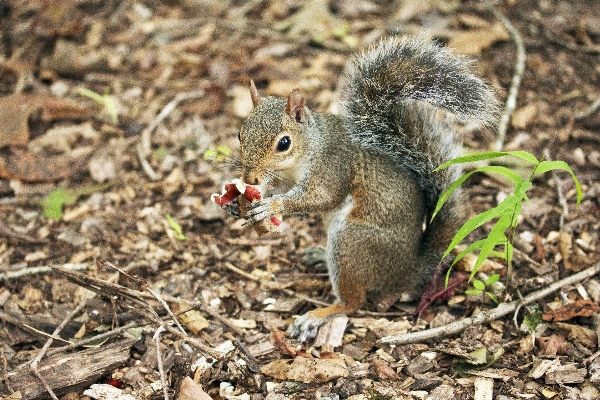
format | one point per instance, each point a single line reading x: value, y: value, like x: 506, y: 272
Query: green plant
x: 481, y: 287
x: 104, y: 100
x: 534, y: 317
x: 219, y: 154
x: 176, y: 228
x: 53, y: 203
x: 506, y: 213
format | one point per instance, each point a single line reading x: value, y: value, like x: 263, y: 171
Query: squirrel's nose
x: 250, y: 179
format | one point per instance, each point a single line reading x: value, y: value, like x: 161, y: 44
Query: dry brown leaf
x: 14, y: 114
x: 16, y: 109
x: 193, y: 319
x: 550, y: 346
x: 581, y: 308
x: 384, y: 371
x: 284, y: 345
x: 305, y: 370
x: 581, y: 334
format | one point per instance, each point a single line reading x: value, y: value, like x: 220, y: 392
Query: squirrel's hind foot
x: 306, y: 326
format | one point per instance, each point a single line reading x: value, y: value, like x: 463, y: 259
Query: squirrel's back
x: 383, y: 106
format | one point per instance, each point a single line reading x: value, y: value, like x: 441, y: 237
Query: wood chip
x: 484, y: 388
x: 332, y: 331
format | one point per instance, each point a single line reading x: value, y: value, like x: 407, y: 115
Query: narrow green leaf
x: 480, y: 219
x: 176, y: 228
x: 473, y: 291
x: 98, y: 98
x: 487, y: 156
x: 496, y: 234
x: 489, y: 169
x: 224, y: 150
x: 546, y: 166
x: 491, y: 296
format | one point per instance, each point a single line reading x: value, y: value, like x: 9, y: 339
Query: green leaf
x: 492, y: 279
x: 473, y: 291
x: 209, y: 154
x: 176, y: 228
x: 480, y: 219
x: 477, y: 284
x: 53, y: 203
x: 224, y: 150
x: 487, y: 156
x: 491, y: 296
x: 494, y: 237
x: 489, y: 169
x: 98, y: 98
x: 546, y: 166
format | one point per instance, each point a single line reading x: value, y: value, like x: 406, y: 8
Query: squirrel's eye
x: 284, y: 144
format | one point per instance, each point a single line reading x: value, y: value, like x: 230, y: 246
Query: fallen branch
x: 140, y: 306
x: 511, y: 100
x: 491, y: 315
x: 36, y: 361
x: 5, y: 276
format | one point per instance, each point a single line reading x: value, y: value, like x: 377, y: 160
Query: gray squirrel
x: 369, y: 171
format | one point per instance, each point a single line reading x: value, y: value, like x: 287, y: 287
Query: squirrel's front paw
x: 305, y: 327
x: 262, y: 209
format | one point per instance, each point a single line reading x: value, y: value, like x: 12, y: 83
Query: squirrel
x: 369, y: 171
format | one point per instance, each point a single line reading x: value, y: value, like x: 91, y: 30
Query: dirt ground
x: 117, y: 120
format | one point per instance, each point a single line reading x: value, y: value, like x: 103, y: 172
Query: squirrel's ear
x: 295, y: 106
x: 254, y: 94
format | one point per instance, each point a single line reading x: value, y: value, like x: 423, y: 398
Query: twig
x: 491, y: 315
x: 221, y: 318
x: 595, y: 106
x: 159, y: 362
x: 140, y: 306
x: 144, y: 147
x: 59, y: 328
x: 166, y: 307
x: 94, y: 339
x: 5, y: 276
x: 511, y: 100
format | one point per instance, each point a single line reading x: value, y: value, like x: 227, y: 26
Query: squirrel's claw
x: 305, y: 327
x: 259, y: 210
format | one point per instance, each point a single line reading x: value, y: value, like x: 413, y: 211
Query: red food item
x: 231, y: 192
x: 115, y: 383
x: 275, y: 221
x: 252, y: 194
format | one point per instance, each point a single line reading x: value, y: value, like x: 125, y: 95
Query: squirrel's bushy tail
x: 384, y: 84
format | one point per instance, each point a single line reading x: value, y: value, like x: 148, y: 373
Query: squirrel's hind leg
x: 352, y: 294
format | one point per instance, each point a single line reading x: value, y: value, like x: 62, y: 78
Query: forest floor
x: 116, y: 121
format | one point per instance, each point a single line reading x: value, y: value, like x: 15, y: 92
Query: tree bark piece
x: 70, y: 372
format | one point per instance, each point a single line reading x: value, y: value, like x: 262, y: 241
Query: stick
x: 159, y: 362
x: 491, y: 315
x: 5, y: 276
x: 511, y: 100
